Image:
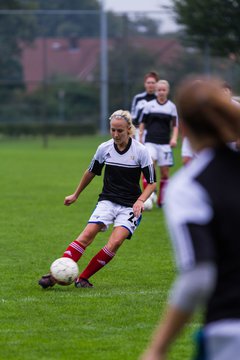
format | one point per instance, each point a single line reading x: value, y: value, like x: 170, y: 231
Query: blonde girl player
x: 121, y: 201
x: 160, y: 119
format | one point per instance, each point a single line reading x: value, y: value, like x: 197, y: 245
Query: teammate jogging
x: 160, y: 119
x: 141, y: 99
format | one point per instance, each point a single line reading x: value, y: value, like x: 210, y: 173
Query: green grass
x: 115, y: 319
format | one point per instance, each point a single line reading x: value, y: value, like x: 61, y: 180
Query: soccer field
x: 112, y: 321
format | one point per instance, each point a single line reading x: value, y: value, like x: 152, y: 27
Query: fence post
x: 104, y: 70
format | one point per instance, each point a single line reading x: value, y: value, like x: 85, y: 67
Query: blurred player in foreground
x: 120, y: 202
x: 202, y: 210
x: 160, y: 119
x: 227, y: 89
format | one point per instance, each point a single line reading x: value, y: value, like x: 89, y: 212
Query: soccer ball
x: 148, y: 204
x: 64, y: 270
x: 153, y: 197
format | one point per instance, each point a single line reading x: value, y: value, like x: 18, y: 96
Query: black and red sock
x: 162, y: 189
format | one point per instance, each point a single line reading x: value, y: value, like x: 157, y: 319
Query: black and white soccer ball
x: 148, y: 204
x: 64, y: 270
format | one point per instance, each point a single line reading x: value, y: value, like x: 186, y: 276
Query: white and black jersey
x: 159, y: 120
x: 122, y: 171
x: 138, y: 103
x: 202, y: 206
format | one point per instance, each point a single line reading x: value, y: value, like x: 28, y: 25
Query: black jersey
x: 138, y: 103
x: 122, y: 171
x: 203, y: 214
x: 159, y: 120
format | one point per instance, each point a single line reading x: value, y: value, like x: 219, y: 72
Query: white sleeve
x: 133, y: 108
x: 144, y: 112
x: 145, y: 158
x: 175, y: 113
x: 188, y: 213
x: 97, y: 162
x: 100, y: 153
x: 193, y: 288
x: 147, y: 165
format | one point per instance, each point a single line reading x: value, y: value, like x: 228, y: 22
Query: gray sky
x: 168, y: 23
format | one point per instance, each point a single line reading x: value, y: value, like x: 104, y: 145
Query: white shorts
x: 162, y: 154
x: 186, y: 148
x: 221, y: 340
x: 108, y: 213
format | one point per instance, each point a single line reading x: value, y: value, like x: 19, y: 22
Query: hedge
x: 40, y: 128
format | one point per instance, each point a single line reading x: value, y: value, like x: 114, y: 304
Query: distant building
x: 79, y: 57
x: 166, y: 50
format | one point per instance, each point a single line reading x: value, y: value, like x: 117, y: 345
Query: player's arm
x: 86, y: 179
x: 173, y: 141
x: 134, y: 109
x: 95, y: 168
x: 174, y: 321
x: 141, y: 131
x: 189, y: 230
x: 191, y: 289
x: 147, y: 192
x: 138, y: 206
x: 150, y: 175
x: 142, y: 121
x: 175, y: 126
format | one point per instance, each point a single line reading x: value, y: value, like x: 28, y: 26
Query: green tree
x: 126, y: 74
x: 212, y: 23
x: 88, y: 25
x: 69, y: 24
x: 145, y: 26
x: 14, y: 30
x: 64, y: 99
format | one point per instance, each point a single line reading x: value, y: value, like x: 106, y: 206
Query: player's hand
x: 173, y: 143
x: 138, y: 208
x: 70, y: 199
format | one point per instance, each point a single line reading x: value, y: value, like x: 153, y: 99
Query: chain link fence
x: 52, y: 63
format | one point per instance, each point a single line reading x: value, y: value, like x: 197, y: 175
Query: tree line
x: 211, y: 25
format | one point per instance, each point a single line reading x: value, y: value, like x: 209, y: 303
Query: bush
x: 54, y: 128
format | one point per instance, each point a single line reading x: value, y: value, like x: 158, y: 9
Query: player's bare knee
x: 86, y: 237
x: 114, y: 244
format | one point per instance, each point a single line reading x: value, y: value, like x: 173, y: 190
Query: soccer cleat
x: 47, y: 281
x: 83, y: 283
